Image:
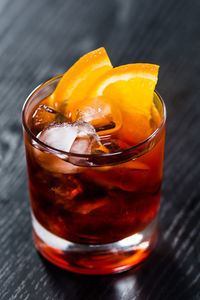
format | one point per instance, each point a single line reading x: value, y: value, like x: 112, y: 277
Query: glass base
x: 95, y: 259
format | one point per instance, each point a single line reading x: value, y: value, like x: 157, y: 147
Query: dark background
x: 40, y: 39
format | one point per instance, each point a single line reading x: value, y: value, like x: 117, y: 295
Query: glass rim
x: 103, y: 155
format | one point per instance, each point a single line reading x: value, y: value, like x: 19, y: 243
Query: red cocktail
x: 94, y: 188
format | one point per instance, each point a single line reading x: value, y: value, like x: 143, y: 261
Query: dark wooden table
x: 40, y: 39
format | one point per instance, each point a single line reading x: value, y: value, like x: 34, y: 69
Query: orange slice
x: 130, y: 88
x: 78, y: 80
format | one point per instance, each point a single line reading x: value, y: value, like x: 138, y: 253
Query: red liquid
x: 96, y: 205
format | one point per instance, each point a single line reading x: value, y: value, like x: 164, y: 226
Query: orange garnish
x: 130, y: 88
x: 78, y: 80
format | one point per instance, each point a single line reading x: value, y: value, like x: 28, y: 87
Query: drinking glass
x: 93, y: 213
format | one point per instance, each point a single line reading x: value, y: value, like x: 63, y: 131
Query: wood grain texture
x: 41, y: 39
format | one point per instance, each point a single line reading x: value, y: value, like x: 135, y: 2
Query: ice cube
x: 78, y: 137
x: 43, y: 116
x: 96, y: 111
x: 87, y: 142
x: 59, y: 135
x: 53, y: 163
x: 82, y: 145
x: 85, y: 208
x: 67, y: 188
x: 85, y: 129
x: 87, y: 138
x: 100, y: 113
